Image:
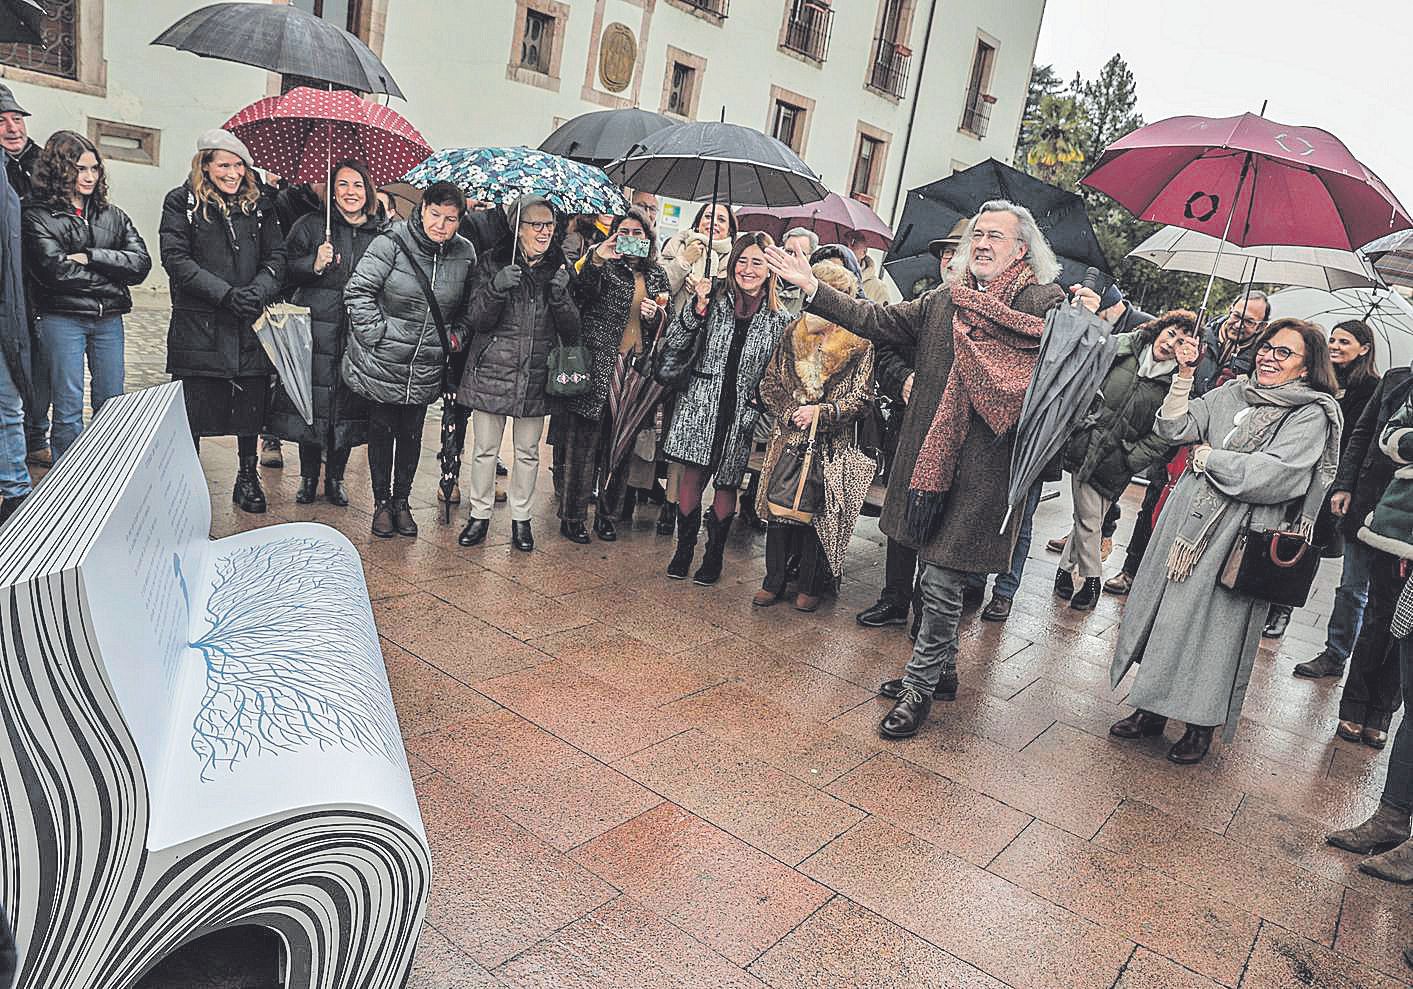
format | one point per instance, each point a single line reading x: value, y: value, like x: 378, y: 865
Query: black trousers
x: 1142, y: 528
x: 784, y: 540
x: 394, y: 446
x: 578, y: 450
x: 899, y: 572
x: 1373, y: 691
x: 311, y: 453
x: 246, y: 446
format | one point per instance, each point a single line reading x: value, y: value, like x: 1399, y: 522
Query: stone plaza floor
x: 631, y: 781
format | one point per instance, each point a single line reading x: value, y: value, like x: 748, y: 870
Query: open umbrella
x: 831, y: 219
x: 282, y: 38
x: 1176, y: 249
x: 603, y: 136
x: 302, y: 133
x: 931, y: 210
x: 503, y: 175
x: 20, y: 22
x: 1386, y: 312
x: 1392, y: 257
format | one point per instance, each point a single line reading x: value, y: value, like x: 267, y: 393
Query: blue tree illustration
x: 292, y: 657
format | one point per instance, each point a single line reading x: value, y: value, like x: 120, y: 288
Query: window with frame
x: 679, y: 96
x: 57, y: 55
x: 976, y: 115
x: 807, y: 27
x: 347, y: 14
x: 861, y: 185
x: 788, y: 127
x: 536, y: 43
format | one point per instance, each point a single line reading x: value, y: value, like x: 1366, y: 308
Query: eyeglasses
x: 1246, y: 321
x: 539, y: 226
x: 994, y: 236
x: 1281, y: 354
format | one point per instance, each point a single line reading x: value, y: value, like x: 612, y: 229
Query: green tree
x: 1059, y: 132
x: 1043, y: 82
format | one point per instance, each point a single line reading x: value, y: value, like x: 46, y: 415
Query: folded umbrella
x: 603, y: 136
x: 1176, y: 249
x: 286, y: 333
x: 832, y: 219
x: 633, y: 393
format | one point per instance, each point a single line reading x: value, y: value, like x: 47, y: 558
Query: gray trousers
x: 1083, y: 549
x: 935, y: 651
x: 486, y: 433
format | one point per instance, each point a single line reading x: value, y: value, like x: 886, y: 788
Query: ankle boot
x: 687, y: 528
x: 1087, y: 597
x: 717, y: 531
x: 335, y: 492
x: 1064, y: 584
x: 383, y: 525
x: 1394, y: 865
x: 1139, y: 724
x: 403, y: 521
x: 308, y: 488
x: 247, y: 494
x: 1192, y: 747
x: 10, y: 506
x: 1388, y: 828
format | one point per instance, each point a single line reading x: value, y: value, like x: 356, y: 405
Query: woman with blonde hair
x: 225, y: 260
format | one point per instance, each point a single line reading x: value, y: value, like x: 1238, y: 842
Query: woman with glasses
x: 1263, y: 445
x: 520, y: 309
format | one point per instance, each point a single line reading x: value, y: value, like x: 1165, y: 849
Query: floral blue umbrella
x: 502, y: 175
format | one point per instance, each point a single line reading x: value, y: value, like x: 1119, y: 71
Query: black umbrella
x: 19, y: 22
x: 930, y: 211
x: 284, y: 39
x: 603, y: 136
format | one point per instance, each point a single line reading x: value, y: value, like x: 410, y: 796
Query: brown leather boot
x: 1394, y: 865
x: 1388, y: 828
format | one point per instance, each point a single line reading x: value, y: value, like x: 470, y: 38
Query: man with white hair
x: 977, y: 339
x: 799, y: 242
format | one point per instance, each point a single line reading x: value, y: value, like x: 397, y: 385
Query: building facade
x: 876, y: 95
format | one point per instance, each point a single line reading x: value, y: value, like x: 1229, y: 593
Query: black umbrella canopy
x: 930, y: 211
x: 603, y: 136
x: 730, y: 163
x: 283, y: 39
x: 19, y: 22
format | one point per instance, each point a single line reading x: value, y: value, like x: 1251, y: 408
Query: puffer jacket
x: 513, y: 333
x: 1116, y: 440
x: 395, y: 353
x: 1389, y: 527
x: 206, y: 254
x: 1364, y: 469
x: 604, y: 293
x: 117, y: 258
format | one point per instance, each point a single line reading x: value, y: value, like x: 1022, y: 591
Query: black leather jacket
x: 117, y: 258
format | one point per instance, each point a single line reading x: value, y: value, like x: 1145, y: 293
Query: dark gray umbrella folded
x: 603, y: 136
x: 1076, y: 351
x: 19, y: 22
x: 284, y: 39
x: 286, y: 333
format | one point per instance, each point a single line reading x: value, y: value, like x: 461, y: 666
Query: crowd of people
x: 787, y: 371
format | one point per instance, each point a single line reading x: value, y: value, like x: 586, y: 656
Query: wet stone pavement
x: 631, y: 781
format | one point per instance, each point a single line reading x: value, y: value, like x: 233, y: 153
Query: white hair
x: 804, y: 232
x: 1037, y: 249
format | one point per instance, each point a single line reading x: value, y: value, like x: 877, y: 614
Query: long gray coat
x: 1194, y: 640
x: 969, y: 537
x: 694, y: 422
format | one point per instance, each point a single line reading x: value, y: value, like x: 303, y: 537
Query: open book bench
x: 197, y: 735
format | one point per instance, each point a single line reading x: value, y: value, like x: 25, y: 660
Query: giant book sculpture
x: 197, y: 734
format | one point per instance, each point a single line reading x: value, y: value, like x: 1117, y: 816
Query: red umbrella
x: 830, y: 218
x: 300, y: 134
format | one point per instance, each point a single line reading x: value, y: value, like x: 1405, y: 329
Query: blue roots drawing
x: 292, y: 657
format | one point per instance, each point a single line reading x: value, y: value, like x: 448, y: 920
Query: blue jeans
x: 68, y: 338
x: 935, y: 652
x: 1350, y: 597
x: 14, y: 476
x: 37, y: 408
x: 1008, y: 583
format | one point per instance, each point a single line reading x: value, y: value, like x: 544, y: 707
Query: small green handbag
x: 568, y: 372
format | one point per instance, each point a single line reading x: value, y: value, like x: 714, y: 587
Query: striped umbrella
x: 633, y: 393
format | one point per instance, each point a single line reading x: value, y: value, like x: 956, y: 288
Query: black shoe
x: 973, y: 598
x: 308, y: 488
x: 604, y: 529
x: 1064, y: 585
x: 1323, y: 665
x: 885, y: 612
x: 717, y: 531
x: 1276, y: 622
x: 998, y: 610
x: 383, y: 526
x: 334, y: 492
x: 1192, y: 747
x: 402, y: 517
x: 475, y: 532
x: 10, y: 506
x: 574, y: 531
x: 666, y: 519
x: 501, y: 469
x: 247, y: 494
x: 909, y: 714
x: 946, y: 689
x: 521, y: 537
x: 1087, y: 597
x: 1139, y: 724
x: 687, y: 528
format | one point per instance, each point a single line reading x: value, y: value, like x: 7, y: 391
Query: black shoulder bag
x: 435, y: 309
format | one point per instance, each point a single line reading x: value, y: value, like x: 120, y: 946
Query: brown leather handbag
x: 796, y: 490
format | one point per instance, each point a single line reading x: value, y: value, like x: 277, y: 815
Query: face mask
x: 633, y: 247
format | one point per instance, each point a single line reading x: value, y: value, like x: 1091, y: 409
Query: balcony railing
x: 889, y: 73
x: 716, y: 8
x: 807, y: 31
x: 976, y: 116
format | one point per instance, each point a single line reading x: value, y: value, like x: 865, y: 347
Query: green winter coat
x: 1389, y: 526
x: 1116, y: 440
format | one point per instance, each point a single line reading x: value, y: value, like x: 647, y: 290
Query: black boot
x: 909, y: 714
x: 717, y: 531
x: 248, y: 495
x: 604, y: 528
x: 687, y: 528
x: 335, y: 492
x: 308, y: 488
x: 521, y: 537
x: 1277, y: 620
x: 1192, y: 747
x: 573, y: 530
x: 402, y: 518
x: 886, y: 611
x: 383, y: 525
x: 1139, y: 724
x: 10, y: 506
x: 667, y: 519
x: 1323, y: 665
x: 1087, y: 597
x: 1064, y: 585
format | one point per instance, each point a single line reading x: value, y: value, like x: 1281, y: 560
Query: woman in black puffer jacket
x: 225, y: 261
x: 81, y: 254
x: 622, y: 303
x: 520, y: 308
x: 318, y: 269
x: 395, y: 357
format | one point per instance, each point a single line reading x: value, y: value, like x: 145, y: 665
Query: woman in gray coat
x: 1263, y: 443
x: 395, y: 357
x: 714, y: 422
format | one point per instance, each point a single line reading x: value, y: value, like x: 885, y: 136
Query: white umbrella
x: 1176, y: 249
x: 1389, y: 315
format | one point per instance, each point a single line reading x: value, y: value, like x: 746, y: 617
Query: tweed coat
x: 604, y: 293
x: 969, y: 537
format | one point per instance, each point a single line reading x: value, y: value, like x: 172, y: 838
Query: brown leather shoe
x: 1374, y: 738
x: 998, y: 610
x: 383, y: 525
x: 43, y: 457
x: 1106, y: 546
x: 765, y: 597
x: 806, y: 602
x: 1120, y: 583
x: 1350, y: 731
x: 1057, y: 544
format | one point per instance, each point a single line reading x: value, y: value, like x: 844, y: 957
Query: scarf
x: 821, y: 350
x: 1150, y: 367
x: 994, y: 353
x: 748, y: 305
x: 1255, y: 427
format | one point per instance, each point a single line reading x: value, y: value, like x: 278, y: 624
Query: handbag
x: 796, y: 489
x: 568, y: 371
x: 674, y: 365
